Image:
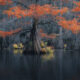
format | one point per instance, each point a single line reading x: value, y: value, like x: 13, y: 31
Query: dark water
x: 61, y: 65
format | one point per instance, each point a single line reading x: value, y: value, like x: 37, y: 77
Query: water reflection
x: 61, y: 65
x: 47, y: 57
x: 17, y: 51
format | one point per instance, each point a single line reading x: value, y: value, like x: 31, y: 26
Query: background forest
x: 57, y: 22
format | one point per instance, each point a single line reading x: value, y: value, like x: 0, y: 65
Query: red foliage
x: 35, y: 11
x: 4, y: 2
x: 42, y: 34
x: 72, y: 25
x: 77, y: 3
x: 77, y: 8
x: 8, y: 33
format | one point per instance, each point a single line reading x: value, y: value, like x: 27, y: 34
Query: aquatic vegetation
x: 18, y: 51
x: 15, y: 46
x: 15, y: 51
x: 21, y: 45
x: 46, y: 43
x: 18, y: 46
x: 42, y: 44
x: 45, y: 48
x: 65, y: 45
x: 48, y: 56
x: 49, y: 49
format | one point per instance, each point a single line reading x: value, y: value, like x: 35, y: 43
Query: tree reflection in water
x: 64, y: 65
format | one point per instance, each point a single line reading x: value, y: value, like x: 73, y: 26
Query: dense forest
x: 39, y: 24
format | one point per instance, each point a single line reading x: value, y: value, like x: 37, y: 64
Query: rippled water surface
x: 61, y: 65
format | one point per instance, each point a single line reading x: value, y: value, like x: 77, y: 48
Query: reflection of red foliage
x: 4, y: 2
x: 4, y: 33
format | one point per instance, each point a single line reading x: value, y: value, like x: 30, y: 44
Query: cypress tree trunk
x: 36, y: 48
x: 33, y: 35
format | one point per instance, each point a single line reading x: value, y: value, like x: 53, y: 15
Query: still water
x: 61, y: 65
